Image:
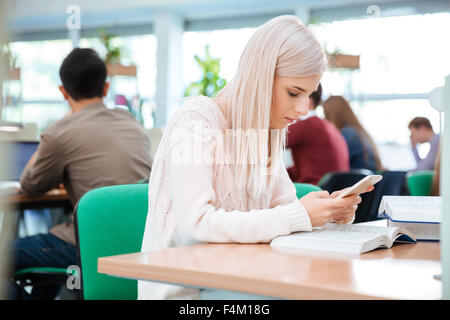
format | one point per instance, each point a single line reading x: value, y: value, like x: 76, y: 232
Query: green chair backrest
x: 110, y: 221
x: 305, y: 188
x: 419, y: 182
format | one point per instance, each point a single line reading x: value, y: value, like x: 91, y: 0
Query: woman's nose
x: 302, y: 107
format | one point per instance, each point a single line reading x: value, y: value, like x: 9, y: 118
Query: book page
x: 392, y: 233
x: 331, y: 240
x: 336, y: 235
x: 415, y: 203
x: 352, y: 238
x: 356, y: 228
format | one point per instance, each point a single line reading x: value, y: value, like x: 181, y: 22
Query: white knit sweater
x: 201, y: 202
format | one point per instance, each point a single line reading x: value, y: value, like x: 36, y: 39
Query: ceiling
x: 31, y: 16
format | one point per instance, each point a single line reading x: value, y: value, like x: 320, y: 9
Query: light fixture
x: 10, y: 126
x: 9, y: 129
x: 436, y: 98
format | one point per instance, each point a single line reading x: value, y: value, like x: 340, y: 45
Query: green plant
x: 211, y: 83
x: 8, y: 56
x: 113, y: 53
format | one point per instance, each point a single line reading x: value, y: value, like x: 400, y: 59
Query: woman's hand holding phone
x: 347, y: 213
x: 323, y: 207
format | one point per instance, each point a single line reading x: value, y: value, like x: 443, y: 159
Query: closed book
x: 419, y: 215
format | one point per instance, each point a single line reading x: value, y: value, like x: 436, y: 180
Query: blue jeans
x: 43, y: 250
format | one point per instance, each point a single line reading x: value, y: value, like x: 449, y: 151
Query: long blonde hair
x: 284, y: 47
x: 338, y: 111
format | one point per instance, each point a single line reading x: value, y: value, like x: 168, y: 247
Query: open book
x: 347, y: 238
x: 420, y: 215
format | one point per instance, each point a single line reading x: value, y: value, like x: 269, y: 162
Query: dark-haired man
x: 422, y: 132
x: 91, y: 147
x: 316, y: 145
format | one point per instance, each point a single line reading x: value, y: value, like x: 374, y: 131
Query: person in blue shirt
x: 363, y: 152
x: 422, y: 132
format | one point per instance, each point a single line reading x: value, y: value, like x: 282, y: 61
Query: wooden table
x: 18, y: 202
x: 406, y: 271
x: 53, y: 198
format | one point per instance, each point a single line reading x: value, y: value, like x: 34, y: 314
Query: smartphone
x: 361, y: 185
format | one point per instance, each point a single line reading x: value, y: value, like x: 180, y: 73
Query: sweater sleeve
x: 284, y: 191
x: 192, y: 192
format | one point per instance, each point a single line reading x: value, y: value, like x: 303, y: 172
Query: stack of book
x: 419, y: 215
x: 408, y: 219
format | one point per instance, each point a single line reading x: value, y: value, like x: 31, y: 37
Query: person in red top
x: 316, y: 145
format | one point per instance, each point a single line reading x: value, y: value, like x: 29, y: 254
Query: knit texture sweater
x: 200, y: 201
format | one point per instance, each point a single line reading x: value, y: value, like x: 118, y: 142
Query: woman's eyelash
x: 292, y: 94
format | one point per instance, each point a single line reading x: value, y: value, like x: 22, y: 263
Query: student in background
x: 90, y: 147
x: 435, y: 183
x: 363, y: 152
x: 422, y: 132
x: 316, y: 144
x: 219, y: 174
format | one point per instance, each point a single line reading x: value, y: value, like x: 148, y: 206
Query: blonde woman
x: 218, y: 174
x: 363, y: 152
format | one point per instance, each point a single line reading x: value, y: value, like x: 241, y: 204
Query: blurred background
x: 385, y: 58
x: 168, y: 49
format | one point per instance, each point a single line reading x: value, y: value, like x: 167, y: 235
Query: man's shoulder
x: 436, y: 137
x: 314, y: 122
x: 305, y: 128
x: 54, y: 129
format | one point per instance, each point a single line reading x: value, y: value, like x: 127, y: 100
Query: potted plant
x: 12, y: 71
x: 339, y: 60
x: 211, y: 83
x: 336, y: 59
x: 113, y: 57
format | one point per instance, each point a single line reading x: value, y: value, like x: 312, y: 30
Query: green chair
x: 42, y: 275
x: 34, y: 276
x: 305, y: 188
x: 419, y: 182
x: 109, y: 221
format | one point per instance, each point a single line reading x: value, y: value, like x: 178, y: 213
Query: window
x: 402, y: 60
x: 387, y: 121
x: 40, y: 100
x: 140, y: 51
x: 402, y: 55
x: 194, y: 43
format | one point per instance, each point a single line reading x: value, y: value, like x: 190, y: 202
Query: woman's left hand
x: 347, y: 212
